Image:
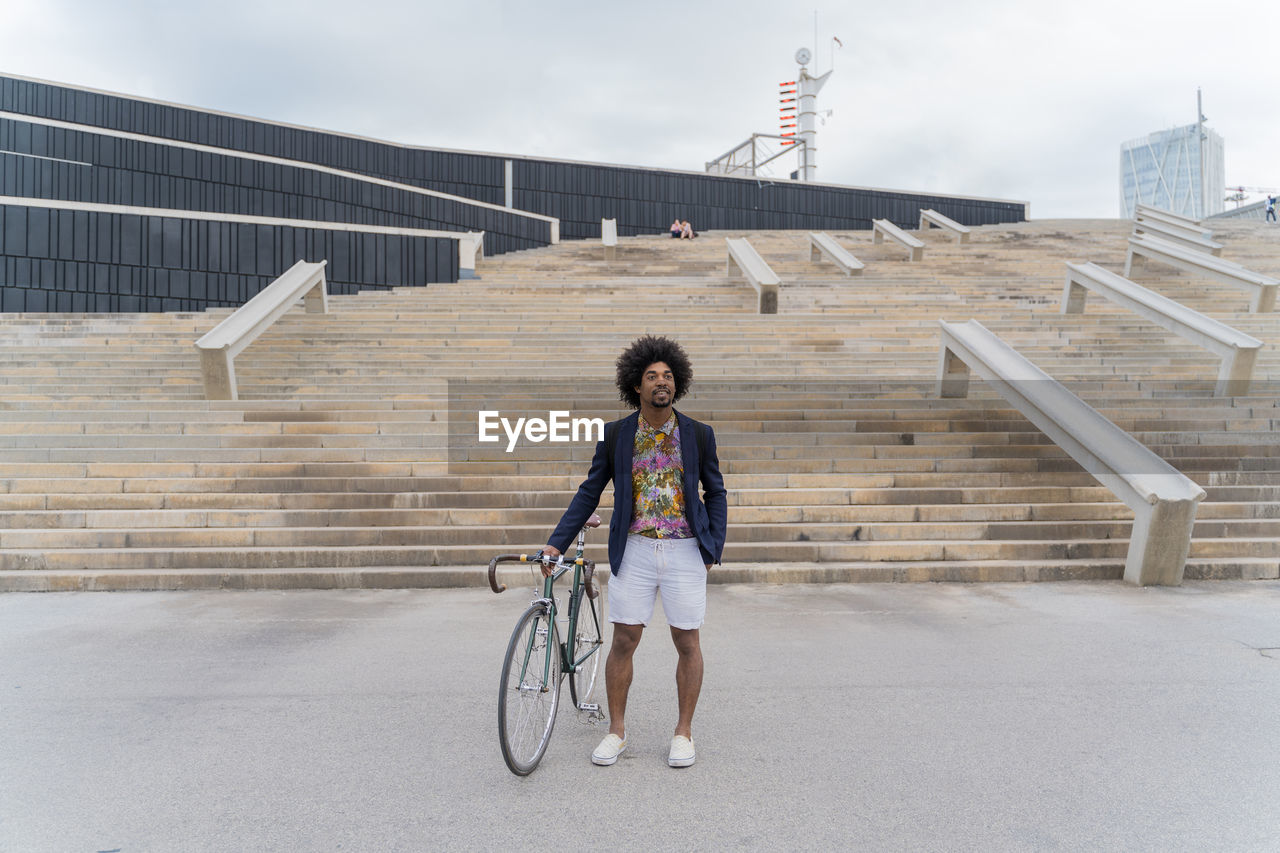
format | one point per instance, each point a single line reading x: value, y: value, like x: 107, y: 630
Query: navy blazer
x: 707, y: 520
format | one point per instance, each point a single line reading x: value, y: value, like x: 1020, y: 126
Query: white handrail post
x: 609, y: 238
x: 768, y: 301
x: 1160, y: 542
x: 1264, y: 301
x: 316, y: 300
x: 1074, y: 296
x: 953, y: 374
x: 218, y: 372
x: 470, y: 250
x: 1235, y: 373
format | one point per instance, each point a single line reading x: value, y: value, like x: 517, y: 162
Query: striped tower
x: 808, y: 114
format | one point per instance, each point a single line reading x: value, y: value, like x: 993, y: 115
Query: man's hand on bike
x: 554, y: 553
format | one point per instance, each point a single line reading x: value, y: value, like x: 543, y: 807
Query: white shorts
x: 672, y: 566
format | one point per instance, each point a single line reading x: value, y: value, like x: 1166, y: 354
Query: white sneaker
x: 681, y: 754
x: 609, y: 749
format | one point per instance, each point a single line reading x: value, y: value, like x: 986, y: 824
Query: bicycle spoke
x: 528, y: 701
x: 587, y: 649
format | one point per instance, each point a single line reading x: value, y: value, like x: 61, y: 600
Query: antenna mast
x: 808, y: 114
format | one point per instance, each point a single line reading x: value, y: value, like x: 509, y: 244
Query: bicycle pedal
x: 590, y: 713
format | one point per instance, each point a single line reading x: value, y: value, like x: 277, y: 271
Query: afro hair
x: 644, y: 352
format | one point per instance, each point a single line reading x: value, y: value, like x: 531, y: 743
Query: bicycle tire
x: 591, y: 626
x: 528, y: 701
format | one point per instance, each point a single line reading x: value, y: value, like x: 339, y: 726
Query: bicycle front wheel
x: 530, y: 690
x: 588, y: 639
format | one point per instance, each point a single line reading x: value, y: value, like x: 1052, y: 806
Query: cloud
x: 997, y: 98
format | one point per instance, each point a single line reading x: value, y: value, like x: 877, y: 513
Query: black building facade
x: 60, y: 143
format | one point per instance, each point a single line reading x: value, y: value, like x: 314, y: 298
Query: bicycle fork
x: 540, y: 632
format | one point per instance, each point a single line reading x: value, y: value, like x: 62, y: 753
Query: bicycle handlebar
x: 588, y: 566
x: 504, y: 558
x: 588, y: 569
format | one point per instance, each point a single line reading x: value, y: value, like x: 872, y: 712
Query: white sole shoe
x: 682, y: 753
x: 608, y: 751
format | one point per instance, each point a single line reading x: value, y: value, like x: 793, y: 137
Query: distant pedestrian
x: 1271, y: 208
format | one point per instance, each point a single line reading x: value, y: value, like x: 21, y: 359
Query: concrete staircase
x: 337, y: 468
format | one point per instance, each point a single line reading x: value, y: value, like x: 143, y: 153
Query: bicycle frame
x: 577, y: 590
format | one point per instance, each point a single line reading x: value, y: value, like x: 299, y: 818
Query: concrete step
x: 548, y: 516
x: 246, y: 559
x: 340, y: 442
x: 500, y: 534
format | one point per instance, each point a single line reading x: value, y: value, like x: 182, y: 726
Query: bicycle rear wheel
x: 530, y: 692
x: 588, y: 635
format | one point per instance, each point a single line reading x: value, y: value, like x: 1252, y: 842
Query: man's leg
x: 617, y: 673
x: 688, y: 678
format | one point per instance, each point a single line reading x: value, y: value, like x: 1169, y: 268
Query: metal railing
x: 747, y: 157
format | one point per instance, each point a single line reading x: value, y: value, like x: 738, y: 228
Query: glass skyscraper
x: 1164, y: 170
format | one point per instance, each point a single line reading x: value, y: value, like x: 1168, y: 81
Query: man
x: 1271, y: 208
x: 662, y: 537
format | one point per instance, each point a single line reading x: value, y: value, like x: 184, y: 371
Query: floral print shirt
x: 657, y: 482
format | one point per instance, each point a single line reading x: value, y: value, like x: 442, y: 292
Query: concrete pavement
x: 889, y: 717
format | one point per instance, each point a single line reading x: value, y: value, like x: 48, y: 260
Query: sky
x: 1026, y: 100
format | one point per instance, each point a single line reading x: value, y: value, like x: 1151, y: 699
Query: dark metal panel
x: 15, y: 230
x: 38, y: 232
x: 245, y: 247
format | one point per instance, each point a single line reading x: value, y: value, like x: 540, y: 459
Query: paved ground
x: 888, y: 717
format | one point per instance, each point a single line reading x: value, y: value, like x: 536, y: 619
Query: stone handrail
x: 1263, y: 287
x: 219, y: 347
x: 881, y: 228
x: 1145, y: 212
x: 933, y: 217
x: 1237, y: 350
x: 821, y: 244
x: 755, y: 270
x: 1180, y: 236
x: 1163, y: 500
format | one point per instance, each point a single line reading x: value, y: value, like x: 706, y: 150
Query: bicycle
x: 537, y: 660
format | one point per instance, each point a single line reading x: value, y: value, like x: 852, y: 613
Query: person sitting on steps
x: 677, y: 228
